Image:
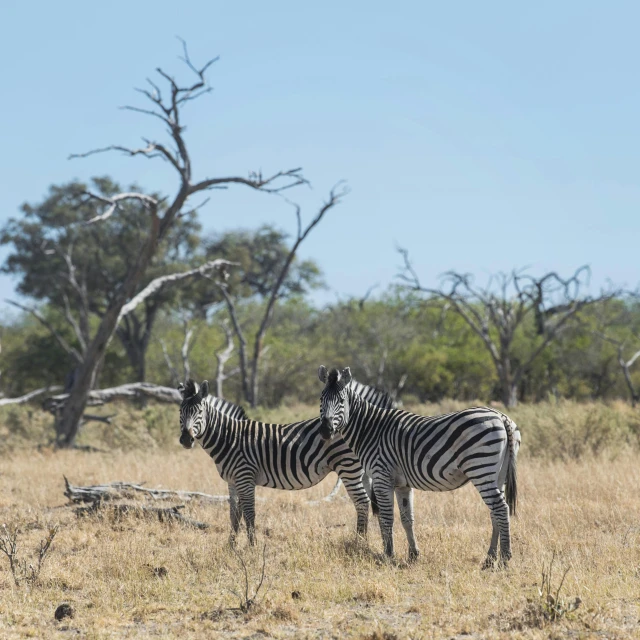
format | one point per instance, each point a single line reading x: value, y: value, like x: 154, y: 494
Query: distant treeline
x: 395, y: 340
x: 235, y: 308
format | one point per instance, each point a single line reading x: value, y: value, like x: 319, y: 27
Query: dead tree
x: 250, y: 363
x: 498, y: 312
x: 166, y: 105
x: 625, y: 365
x: 222, y: 357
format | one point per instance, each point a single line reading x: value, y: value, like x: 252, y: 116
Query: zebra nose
x: 186, y: 440
x: 325, y: 428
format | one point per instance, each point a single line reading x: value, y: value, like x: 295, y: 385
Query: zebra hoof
x: 414, y: 554
x: 489, y: 563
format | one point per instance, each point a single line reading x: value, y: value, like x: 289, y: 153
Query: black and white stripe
x: 248, y: 453
x: 401, y: 450
x: 379, y: 398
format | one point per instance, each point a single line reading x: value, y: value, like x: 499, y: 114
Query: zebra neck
x: 352, y: 431
x: 361, y: 430
x: 214, y: 426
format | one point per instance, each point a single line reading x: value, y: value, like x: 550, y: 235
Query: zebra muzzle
x: 186, y: 440
x: 325, y: 429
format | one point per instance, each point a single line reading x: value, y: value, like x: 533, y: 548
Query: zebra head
x: 192, y: 411
x: 334, y: 401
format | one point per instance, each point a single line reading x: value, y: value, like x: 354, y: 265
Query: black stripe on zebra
x: 402, y: 450
x: 248, y: 453
x: 383, y: 400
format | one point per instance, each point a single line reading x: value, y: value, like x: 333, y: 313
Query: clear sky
x: 480, y: 136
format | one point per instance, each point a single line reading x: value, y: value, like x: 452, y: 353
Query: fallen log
x: 167, y: 514
x: 28, y: 396
x: 120, y: 490
x: 131, y: 391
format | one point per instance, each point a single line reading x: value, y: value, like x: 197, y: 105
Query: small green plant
x: 553, y: 605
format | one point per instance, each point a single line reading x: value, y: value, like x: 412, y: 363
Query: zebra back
x: 372, y: 395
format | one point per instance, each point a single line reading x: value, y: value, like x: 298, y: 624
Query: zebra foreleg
x: 235, y: 513
x: 360, y: 499
x: 247, y: 494
x: 404, y: 496
x: 383, y: 488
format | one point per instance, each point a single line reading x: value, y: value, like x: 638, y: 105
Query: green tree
x: 76, y: 269
x: 167, y: 105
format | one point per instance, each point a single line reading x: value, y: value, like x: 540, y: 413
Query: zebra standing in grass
x: 281, y: 456
x: 401, y: 450
x: 372, y: 395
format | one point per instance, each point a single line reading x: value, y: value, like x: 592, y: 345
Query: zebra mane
x: 373, y: 395
x: 192, y: 394
x: 230, y: 409
x: 370, y: 394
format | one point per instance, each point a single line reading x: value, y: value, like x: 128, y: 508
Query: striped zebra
x: 401, y: 450
x: 248, y: 453
x: 372, y: 395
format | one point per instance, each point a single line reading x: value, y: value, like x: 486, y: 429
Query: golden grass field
x: 586, y: 508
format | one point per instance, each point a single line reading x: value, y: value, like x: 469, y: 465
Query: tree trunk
x: 254, y: 372
x: 509, y: 393
x: 71, y: 418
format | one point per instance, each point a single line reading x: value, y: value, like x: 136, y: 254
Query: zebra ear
x: 204, y: 388
x: 181, y: 389
x: 346, y: 377
x: 322, y: 373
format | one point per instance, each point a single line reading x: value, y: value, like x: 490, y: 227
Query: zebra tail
x: 511, y: 488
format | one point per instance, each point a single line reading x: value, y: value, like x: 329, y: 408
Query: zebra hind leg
x: 404, y: 496
x: 494, y: 499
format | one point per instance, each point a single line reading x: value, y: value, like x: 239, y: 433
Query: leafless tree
x: 497, y: 313
x: 249, y: 363
x: 222, y: 357
x: 625, y: 365
x: 188, y: 331
x: 166, y: 105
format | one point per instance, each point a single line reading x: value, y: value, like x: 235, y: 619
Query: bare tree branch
x: 496, y: 312
x: 175, y: 378
x: 222, y: 357
x: 162, y: 281
x: 29, y: 396
x: 167, y: 106
x: 115, y: 200
x: 625, y: 365
x: 184, y: 352
x: 335, y: 196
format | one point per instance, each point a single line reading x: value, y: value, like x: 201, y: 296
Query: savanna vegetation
x: 575, y: 571
x: 123, y: 287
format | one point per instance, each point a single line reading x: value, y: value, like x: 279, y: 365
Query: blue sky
x: 480, y: 136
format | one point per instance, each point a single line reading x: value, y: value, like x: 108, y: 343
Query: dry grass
x: 136, y: 578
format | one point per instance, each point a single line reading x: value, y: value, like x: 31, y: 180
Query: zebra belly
x: 291, y: 481
x: 453, y: 478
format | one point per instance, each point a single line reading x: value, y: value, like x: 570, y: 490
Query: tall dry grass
x: 139, y: 578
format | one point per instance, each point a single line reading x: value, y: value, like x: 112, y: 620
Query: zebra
x: 372, y: 395
x: 248, y: 453
x: 401, y: 450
